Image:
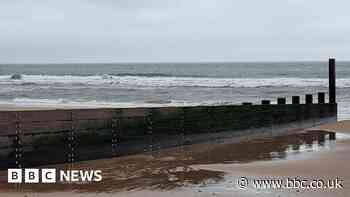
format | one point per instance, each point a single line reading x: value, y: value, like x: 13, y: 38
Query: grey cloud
x: 164, y: 30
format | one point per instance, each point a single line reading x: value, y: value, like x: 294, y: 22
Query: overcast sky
x: 173, y: 30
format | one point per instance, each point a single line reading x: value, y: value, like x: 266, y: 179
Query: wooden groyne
x: 32, y: 138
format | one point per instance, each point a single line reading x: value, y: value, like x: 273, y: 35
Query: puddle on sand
x: 169, y: 169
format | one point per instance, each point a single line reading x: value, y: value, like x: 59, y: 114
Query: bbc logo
x: 48, y: 175
x: 31, y: 175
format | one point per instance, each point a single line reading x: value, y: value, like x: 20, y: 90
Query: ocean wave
x: 141, y: 81
x: 144, y: 75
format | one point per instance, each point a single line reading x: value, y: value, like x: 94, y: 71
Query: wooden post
x: 183, y: 126
x: 296, y: 100
x: 71, y: 140
x: 281, y: 101
x: 211, y: 119
x: 321, y: 98
x: 17, y: 142
x: 149, y: 127
x: 115, y: 124
x: 332, y: 86
x: 308, y: 99
x: 265, y: 102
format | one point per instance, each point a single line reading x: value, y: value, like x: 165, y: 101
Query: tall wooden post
x: 332, y: 89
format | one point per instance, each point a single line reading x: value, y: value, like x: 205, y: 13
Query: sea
x: 167, y: 84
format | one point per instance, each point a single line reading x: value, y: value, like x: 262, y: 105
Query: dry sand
x: 208, y: 170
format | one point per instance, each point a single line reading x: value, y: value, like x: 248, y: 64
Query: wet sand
x: 213, y: 169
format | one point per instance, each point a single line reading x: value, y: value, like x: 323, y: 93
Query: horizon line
x: 168, y: 62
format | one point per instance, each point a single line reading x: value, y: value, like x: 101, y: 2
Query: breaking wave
x: 165, y: 81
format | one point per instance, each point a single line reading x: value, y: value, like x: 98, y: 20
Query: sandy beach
x: 214, y: 169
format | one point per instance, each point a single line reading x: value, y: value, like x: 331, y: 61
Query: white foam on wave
x: 141, y: 81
